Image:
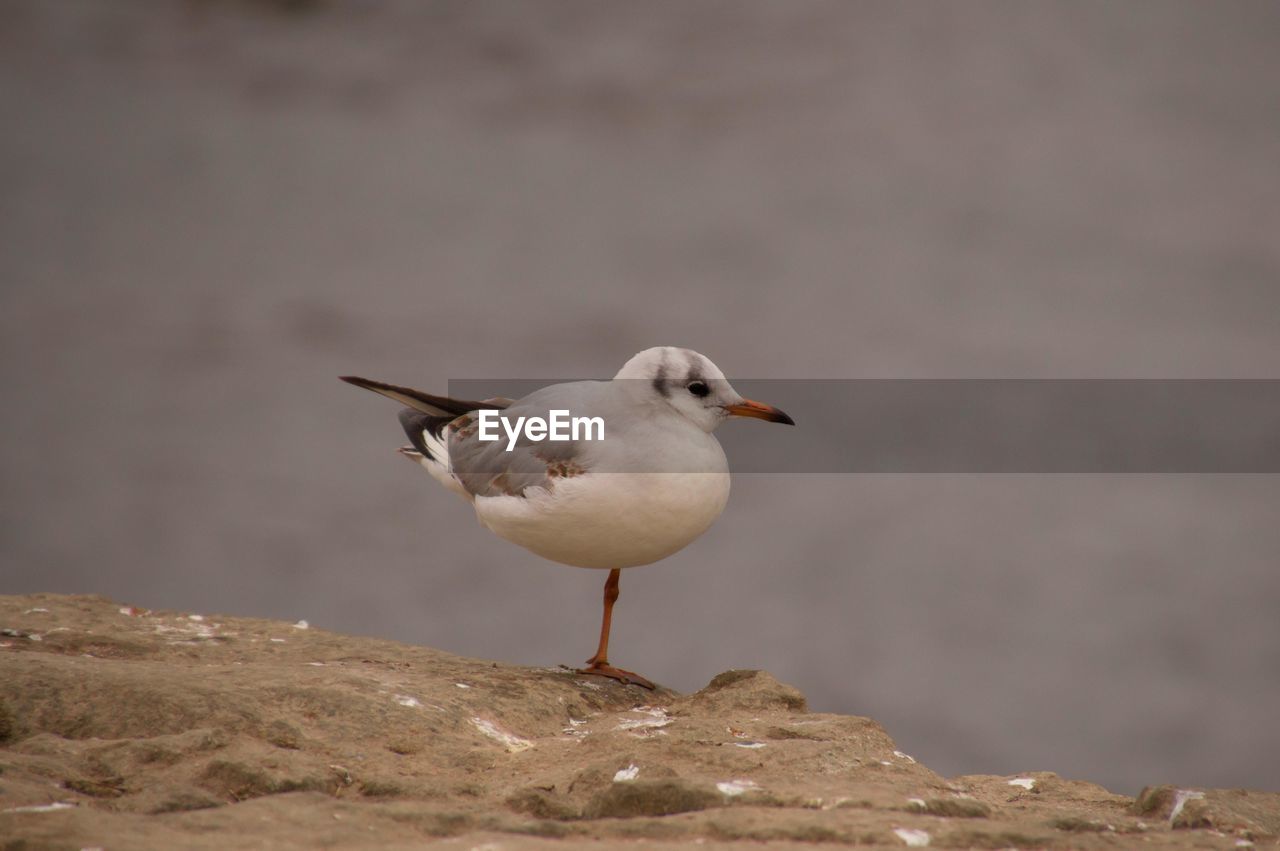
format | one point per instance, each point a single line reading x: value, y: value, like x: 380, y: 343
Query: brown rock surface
x: 126, y: 728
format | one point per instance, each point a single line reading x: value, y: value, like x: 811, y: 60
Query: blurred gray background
x: 208, y: 210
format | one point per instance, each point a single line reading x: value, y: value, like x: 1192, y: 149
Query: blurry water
x: 209, y: 211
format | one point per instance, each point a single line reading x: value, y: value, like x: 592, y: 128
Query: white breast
x: 609, y: 520
x: 622, y: 519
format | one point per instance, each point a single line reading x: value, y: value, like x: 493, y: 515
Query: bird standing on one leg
x: 654, y: 480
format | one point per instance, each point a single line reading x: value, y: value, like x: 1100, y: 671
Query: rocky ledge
x: 129, y: 728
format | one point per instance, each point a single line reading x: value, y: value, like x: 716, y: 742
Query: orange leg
x: 599, y: 663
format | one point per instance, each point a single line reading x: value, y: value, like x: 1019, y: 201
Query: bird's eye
x: 699, y: 388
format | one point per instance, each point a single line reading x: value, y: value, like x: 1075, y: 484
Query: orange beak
x: 760, y: 411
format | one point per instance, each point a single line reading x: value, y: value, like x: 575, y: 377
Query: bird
x: 643, y: 485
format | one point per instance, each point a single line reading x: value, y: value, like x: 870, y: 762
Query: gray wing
x: 486, y: 468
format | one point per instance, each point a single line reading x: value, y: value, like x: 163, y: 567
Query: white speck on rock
x: 917, y: 802
x: 901, y: 755
x: 33, y: 611
x: 276, y: 640
x: 302, y: 625
x: 631, y: 772
x: 653, y: 717
x: 35, y: 636
x: 734, y: 788
x: 572, y: 730
x: 196, y: 630
x: 316, y: 664
x: 41, y: 808
x: 912, y: 837
x: 414, y: 703
x: 510, y: 741
x: 462, y: 685
x: 750, y: 745
x: 195, y: 617
x: 1024, y: 782
x: 1180, y: 799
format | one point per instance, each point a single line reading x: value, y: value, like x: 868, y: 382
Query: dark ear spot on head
x: 660, y: 382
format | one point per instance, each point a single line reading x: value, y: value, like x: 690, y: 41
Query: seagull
x: 644, y: 485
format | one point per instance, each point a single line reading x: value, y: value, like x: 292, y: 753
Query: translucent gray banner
x: 976, y: 425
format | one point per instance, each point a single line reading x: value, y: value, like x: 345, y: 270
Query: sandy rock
x: 1253, y: 815
x: 747, y: 690
x: 652, y: 798
x: 122, y: 727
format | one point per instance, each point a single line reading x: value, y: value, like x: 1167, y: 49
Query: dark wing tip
x: 426, y: 402
x: 380, y: 387
x: 416, y: 422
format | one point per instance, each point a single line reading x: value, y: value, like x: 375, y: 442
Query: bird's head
x: 694, y: 386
